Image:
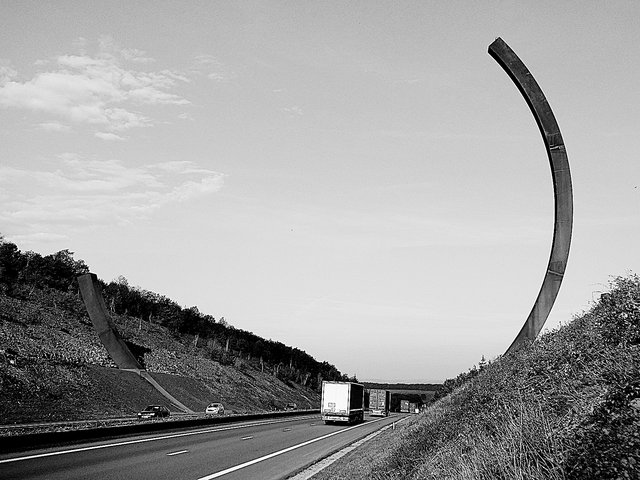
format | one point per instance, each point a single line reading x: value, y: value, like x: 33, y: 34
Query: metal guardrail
x: 31, y: 441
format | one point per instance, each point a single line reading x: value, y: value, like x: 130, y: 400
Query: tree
x: 11, y: 263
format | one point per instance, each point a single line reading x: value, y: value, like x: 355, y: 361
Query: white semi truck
x: 379, y: 401
x: 342, y: 402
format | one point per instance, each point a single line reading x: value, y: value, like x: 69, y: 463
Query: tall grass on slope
x: 566, y: 406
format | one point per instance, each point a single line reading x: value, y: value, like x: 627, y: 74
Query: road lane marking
x: 320, y: 465
x: 249, y: 437
x: 177, y: 453
x: 280, y: 452
x: 143, y: 440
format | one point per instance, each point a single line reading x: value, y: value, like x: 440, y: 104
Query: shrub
x: 608, y: 442
x: 564, y: 406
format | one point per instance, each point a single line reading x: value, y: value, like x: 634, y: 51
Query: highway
x: 267, y: 449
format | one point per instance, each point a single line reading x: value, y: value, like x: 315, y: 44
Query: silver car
x: 214, y: 409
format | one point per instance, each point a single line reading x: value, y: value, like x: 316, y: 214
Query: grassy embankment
x: 564, y: 407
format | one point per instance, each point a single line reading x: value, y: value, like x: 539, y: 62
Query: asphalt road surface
x: 268, y: 449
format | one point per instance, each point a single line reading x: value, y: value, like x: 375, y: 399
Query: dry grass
x: 565, y: 407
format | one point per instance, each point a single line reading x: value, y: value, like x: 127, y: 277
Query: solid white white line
x: 176, y: 453
x: 322, y: 464
x: 280, y: 452
x: 144, y: 440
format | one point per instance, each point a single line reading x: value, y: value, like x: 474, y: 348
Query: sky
x: 359, y: 179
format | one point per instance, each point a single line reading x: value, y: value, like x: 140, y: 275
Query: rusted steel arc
x: 562, y: 189
x: 94, y: 302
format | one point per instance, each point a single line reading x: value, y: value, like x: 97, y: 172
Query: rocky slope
x: 54, y: 368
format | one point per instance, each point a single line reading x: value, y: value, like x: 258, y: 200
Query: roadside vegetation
x: 30, y: 276
x: 53, y: 366
x: 566, y: 406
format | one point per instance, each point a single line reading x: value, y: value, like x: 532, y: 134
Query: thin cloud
x: 109, y: 136
x: 135, y: 55
x: 38, y: 237
x: 55, y: 127
x: 181, y: 167
x: 94, y: 90
x: 294, y: 110
x: 6, y: 73
x: 212, y: 68
x: 82, y: 193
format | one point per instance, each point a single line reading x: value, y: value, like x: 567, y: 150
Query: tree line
x: 404, y: 386
x: 22, y: 273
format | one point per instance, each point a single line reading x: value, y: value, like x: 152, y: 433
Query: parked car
x: 291, y: 406
x: 214, y: 408
x: 153, y: 411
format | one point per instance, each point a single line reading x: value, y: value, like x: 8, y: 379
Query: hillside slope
x: 566, y: 406
x: 53, y: 367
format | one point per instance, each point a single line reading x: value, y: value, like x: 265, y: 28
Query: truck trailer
x: 342, y: 402
x: 379, y: 401
x: 404, y: 406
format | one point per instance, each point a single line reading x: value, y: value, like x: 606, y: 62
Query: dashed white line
x: 249, y: 437
x: 280, y: 452
x: 143, y: 440
x: 176, y: 453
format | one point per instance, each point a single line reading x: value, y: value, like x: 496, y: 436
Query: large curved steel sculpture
x: 562, y: 189
x: 94, y: 302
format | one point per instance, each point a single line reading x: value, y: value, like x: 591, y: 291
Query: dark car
x: 291, y: 406
x: 153, y: 411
